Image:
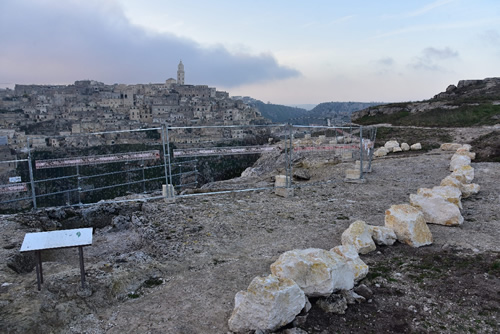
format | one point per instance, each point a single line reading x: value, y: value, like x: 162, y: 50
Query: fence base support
x: 168, y: 193
x: 280, y: 189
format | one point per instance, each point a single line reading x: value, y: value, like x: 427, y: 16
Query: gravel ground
x: 175, y: 268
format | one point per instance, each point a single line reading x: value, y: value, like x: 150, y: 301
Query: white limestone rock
x: 268, y: 304
x: 318, y: 272
x: 350, y: 254
x: 405, y: 147
x: 458, y: 161
x: 450, y: 193
x: 383, y: 235
x: 467, y: 189
x: 409, y: 225
x: 437, y: 210
x: 450, y: 146
x: 416, y: 147
x: 390, y: 145
x: 397, y: 149
x: 380, y: 152
x: 359, y: 235
x: 464, y: 174
x: 466, y: 152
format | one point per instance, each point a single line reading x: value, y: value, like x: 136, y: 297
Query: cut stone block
x: 466, y: 152
x: 268, y: 304
x: 318, y: 272
x: 437, y: 210
x: 464, y: 174
x: 359, y: 235
x: 352, y: 174
x: 280, y: 186
x: 168, y: 193
x: 409, y: 225
x: 467, y: 189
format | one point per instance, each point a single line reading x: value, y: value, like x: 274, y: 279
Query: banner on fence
x: 13, y: 188
x: 98, y: 159
x: 223, y: 151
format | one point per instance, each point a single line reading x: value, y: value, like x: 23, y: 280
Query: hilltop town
x: 91, y: 106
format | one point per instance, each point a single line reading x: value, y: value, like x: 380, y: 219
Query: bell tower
x: 180, y: 73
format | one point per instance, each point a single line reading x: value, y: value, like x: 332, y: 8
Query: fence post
x: 361, y: 152
x: 78, y: 186
x: 32, y: 180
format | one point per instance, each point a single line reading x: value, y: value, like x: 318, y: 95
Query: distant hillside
x: 337, y: 112
x: 470, y: 103
x: 277, y: 113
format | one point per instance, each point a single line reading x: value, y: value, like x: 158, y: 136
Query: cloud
x: 432, y: 58
x: 387, y: 61
x: 429, y: 7
x: 51, y: 41
x: 490, y: 38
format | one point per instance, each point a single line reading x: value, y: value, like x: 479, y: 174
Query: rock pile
x: 276, y: 300
x: 393, y: 146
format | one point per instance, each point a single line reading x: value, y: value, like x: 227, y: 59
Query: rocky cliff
x: 469, y: 103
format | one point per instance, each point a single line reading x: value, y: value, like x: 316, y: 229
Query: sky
x: 280, y: 51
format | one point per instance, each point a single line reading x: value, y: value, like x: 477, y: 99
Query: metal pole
x: 373, y: 137
x: 166, y: 157
x: 289, y: 180
x: 361, y: 152
x: 78, y: 185
x: 32, y: 180
x: 143, y: 177
x: 82, y: 269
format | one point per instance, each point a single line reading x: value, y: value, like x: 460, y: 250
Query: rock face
x: 409, y: 225
x: 383, y: 235
x: 350, y: 255
x: 437, y: 210
x: 416, y: 147
x: 359, y: 235
x: 268, y: 304
x: 449, y: 193
x: 318, y: 272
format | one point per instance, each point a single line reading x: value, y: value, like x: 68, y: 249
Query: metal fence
x: 116, y: 166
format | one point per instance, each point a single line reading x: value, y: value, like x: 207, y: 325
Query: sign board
x: 15, y: 179
x: 13, y: 188
x: 98, y: 159
x: 57, y: 239
x: 197, y: 152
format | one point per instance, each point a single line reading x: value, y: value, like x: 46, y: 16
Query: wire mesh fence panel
x: 88, y: 168
x: 206, y: 154
x: 15, y: 186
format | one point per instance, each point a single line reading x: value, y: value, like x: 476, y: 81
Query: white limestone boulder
x: 464, y: 174
x: 405, y: 147
x: 318, y: 272
x: 351, y: 256
x: 437, y: 210
x: 390, y: 145
x: 450, y: 146
x: 383, y: 235
x: 450, y: 193
x: 409, y: 225
x: 359, y: 235
x: 467, y: 189
x: 397, y: 149
x: 380, y: 152
x: 465, y: 151
x: 458, y: 161
x: 269, y: 303
x: 416, y: 147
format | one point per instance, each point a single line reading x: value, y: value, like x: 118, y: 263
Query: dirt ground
x: 175, y: 268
